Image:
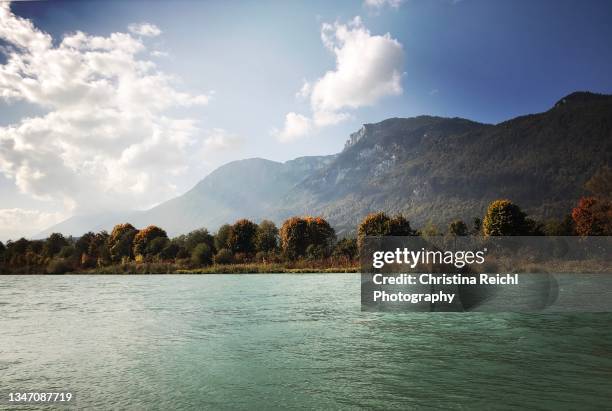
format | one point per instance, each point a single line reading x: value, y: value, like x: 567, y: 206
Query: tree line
x: 310, y: 239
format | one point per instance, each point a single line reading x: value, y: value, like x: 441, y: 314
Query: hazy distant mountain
x: 429, y: 168
x: 245, y: 188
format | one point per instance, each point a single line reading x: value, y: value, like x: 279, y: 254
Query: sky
x: 120, y: 105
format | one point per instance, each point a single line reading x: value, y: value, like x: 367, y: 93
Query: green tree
x: 170, y: 251
x: 67, y: 252
x: 2, y: 256
x: 54, y: 244
x: 84, y: 243
x: 267, y: 237
x: 201, y: 255
x: 321, y: 235
x: 156, y: 246
x: 346, y: 248
x: 242, y: 236
x: 563, y: 227
x: 195, y: 237
x: 144, y: 237
x: 600, y: 184
x: 476, y: 226
x: 223, y: 236
x: 504, y: 218
x: 120, y: 241
x: 430, y: 229
x: 400, y: 226
x: 458, y: 228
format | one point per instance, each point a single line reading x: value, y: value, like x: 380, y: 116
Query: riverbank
x: 246, y: 268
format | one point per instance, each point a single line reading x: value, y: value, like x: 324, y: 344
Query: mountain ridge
x: 429, y: 168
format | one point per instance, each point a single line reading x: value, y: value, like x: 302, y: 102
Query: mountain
x: 439, y: 169
x: 429, y: 168
x: 240, y: 189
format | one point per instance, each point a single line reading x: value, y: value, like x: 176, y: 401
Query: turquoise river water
x: 260, y: 342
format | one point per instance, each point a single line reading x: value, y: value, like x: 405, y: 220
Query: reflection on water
x: 286, y: 341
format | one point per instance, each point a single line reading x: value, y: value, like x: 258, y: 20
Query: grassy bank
x: 247, y: 268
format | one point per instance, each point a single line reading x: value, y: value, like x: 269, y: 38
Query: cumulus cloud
x: 144, y: 29
x: 368, y: 67
x: 296, y: 126
x: 105, y: 140
x: 16, y: 222
x: 378, y: 4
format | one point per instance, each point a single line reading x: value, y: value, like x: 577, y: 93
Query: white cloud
x: 144, y: 29
x: 17, y: 222
x: 157, y: 53
x: 296, y: 126
x: 220, y: 139
x: 378, y: 4
x: 368, y: 68
x: 105, y: 141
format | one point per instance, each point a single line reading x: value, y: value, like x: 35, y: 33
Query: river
x: 286, y: 341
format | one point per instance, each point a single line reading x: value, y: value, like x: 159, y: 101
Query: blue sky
x: 231, y: 76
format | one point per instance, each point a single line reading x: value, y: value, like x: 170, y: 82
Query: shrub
x: 58, y: 266
x: 224, y: 256
x: 67, y: 251
x: 201, y: 255
x: 346, y: 248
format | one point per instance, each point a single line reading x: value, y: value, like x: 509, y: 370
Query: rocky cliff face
x: 429, y: 168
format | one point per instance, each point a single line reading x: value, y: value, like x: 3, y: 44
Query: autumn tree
x: 294, y: 237
x: 380, y: 225
x: 121, y: 240
x: 297, y: 234
x: 144, y: 237
x: 504, y: 218
x: 242, y: 236
x: 593, y: 216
